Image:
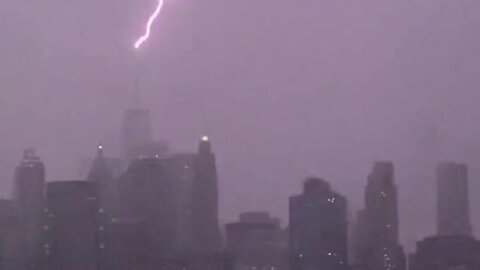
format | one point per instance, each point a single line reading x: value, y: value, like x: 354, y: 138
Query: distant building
x: 72, y: 227
x: 128, y: 246
x: 29, y: 196
x: 181, y: 171
x: 318, y: 228
x: 148, y: 198
x: 446, y: 252
x: 12, y: 240
x: 256, y: 242
x: 377, y: 244
x: 107, y: 184
x: 453, y: 216
x: 206, y: 234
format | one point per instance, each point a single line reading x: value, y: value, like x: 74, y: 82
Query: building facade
x: 29, y: 197
x: 206, y: 228
x: 453, y: 216
x: 318, y: 228
x: 378, y: 246
x: 72, y: 229
x: 256, y: 242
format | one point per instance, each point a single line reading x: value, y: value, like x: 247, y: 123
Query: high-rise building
x: 453, y: 247
x: 318, y: 228
x: 453, y: 217
x: 29, y: 199
x: 101, y: 174
x: 181, y: 171
x: 381, y: 249
x: 206, y: 226
x: 12, y: 241
x: 136, y: 133
x: 72, y: 228
x: 148, y: 198
x: 256, y: 242
x: 446, y: 252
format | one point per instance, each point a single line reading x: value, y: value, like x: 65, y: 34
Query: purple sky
x: 285, y: 89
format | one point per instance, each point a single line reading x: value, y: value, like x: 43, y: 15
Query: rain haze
x: 284, y: 89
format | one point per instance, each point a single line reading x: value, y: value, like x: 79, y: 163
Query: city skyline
x: 283, y: 89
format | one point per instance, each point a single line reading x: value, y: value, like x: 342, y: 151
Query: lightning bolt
x: 148, y: 27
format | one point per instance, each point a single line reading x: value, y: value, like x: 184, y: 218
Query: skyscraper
x: 101, y: 174
x: 147, y: 198
x: 29, y: 199
x: 318, y: 228
x: 453, y: 247
x: 453, y: 217
x: 72, y: 227
x: 136, y: 132
x: 181, y: 171
x: 206, y: 227
x: 382, y: 250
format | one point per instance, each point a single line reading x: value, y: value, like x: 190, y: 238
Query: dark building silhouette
x: 377, y: 245
x: 101, y: 174
x: 12, y: 241
x: 318, y: 228
x: 453, y: 216
x: 136, y: 131
x: 453, y: 247
x: 72, y: 228
x: 256, y: 242
x: 206, y: 228
x: 181, y: 171
x: 148, y: 199
x: 126, y: 246
x: 446, y: 252
x: 29, y: 199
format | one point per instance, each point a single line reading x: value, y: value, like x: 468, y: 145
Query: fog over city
x: 284, y: 90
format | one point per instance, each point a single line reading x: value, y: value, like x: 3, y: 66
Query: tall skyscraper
x: 318, y: 228
x: 148, y: 199
x: 453, y: 247
x: 72, y: 228
x: 453, y: 217
x: 136, y: 132
x: 29, y: 198
x: 382, y: 250
x: 181, y: 171
x: 101, y: 174
x: 206, y: 226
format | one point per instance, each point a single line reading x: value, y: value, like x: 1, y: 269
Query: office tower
x: 72, y: 229
x: 29, y: 199
x: 453, y: 217
x: 101, y: 174
x: 318, y: 228
x: 206, y: 233
x: 12, y: 241
x: 147, y: 198
x: 256, y: 242
x: 381, y: 250
x: 446, y: 252
x: 136, y: 132
x: 181, y: 171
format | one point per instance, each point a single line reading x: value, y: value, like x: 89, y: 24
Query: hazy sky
x: 285, y: 89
